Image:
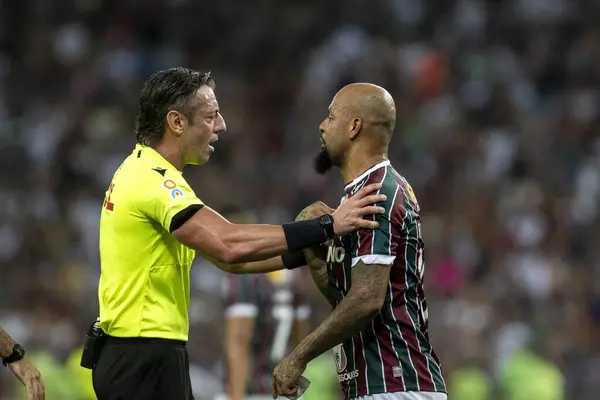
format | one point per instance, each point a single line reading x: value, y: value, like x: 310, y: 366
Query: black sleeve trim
x: 182, y: 216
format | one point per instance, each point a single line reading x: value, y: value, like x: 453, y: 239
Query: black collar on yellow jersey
x: 152, y: 156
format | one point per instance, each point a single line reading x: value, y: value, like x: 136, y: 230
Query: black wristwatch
x: 17, y: 354
x: 326, y: 222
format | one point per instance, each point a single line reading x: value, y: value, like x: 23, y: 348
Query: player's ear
x: 355, y: 127
x: 176, y: 122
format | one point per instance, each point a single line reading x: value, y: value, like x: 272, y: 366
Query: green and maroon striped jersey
x: 392, y: 354
x: 275, y: 301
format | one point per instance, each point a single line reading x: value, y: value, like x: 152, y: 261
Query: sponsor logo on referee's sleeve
x: 171, y: 186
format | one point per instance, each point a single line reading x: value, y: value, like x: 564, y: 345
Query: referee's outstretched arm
x: 225, y: 243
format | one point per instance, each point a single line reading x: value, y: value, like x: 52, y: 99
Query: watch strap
x: 326, y: 222
x: 17, y: 354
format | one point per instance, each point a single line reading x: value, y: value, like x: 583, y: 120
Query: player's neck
x: 356, y: 165
x: 171, y: 154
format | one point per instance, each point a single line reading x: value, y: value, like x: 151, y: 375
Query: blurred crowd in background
x: 498, y: 119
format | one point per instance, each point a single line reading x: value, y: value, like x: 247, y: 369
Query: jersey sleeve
x: 240, y: 296
x: 164, y: 199
x: 378, y: 246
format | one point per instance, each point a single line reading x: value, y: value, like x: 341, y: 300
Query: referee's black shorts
x: 142, y: 369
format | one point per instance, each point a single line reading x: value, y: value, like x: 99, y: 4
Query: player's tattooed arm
x: 6, y: 344
x: 357, y: 309
x: 316, y: 262
x: 315, y: 210
x: 318, y: 270
x: 304, y: 214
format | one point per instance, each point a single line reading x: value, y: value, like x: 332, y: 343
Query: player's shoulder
x: 406, y: 189
x: 406, y: 199
x: 377, y: 174
x: 401, y: 197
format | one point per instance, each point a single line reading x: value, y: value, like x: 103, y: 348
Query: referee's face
x: 203, y: 128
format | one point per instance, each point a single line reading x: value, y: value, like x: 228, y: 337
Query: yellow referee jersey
x: 144, y: 288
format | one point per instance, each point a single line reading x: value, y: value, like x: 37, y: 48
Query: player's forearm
x: 238, y: 361
x: 348, y: 318
x: 6, y: 344
x: 301, y: 330
x: 318, y: 271
x: 321, y: 280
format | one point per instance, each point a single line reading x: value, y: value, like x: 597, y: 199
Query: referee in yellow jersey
x: 152, y: 226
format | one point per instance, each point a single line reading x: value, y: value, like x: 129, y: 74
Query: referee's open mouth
x: 214, y: 139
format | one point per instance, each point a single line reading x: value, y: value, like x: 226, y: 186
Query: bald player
x: 373, y: 278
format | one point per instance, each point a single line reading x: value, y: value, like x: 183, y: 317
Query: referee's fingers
x: 370, y: 210
x: 367, y: 224
x: 367, y: 190
x: 371, y: 199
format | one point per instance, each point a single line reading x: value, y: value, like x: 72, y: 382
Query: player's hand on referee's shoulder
x: 30, y: 376
x: 349, y: 216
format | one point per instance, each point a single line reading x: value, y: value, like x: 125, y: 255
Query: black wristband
x: 293, y: 260
x: 303, y: 234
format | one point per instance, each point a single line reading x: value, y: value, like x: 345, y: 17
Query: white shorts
x: 406, y: 396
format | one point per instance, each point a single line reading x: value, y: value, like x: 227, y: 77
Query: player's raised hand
x: 29, y: 375
x: 349, y: 215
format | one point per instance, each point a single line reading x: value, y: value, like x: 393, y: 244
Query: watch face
x: 326, y: 219
x: 19, y: 350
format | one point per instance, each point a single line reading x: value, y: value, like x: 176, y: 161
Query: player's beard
x: 323, y: 162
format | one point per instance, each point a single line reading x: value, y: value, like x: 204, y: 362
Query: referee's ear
x: 176, y: 122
